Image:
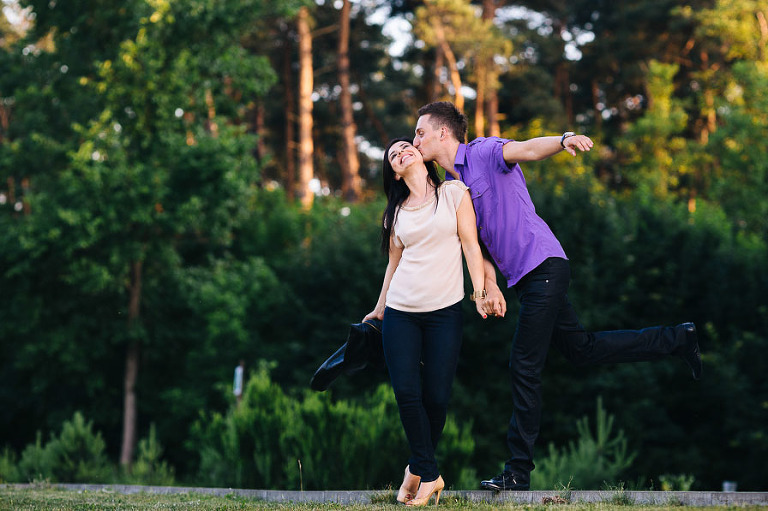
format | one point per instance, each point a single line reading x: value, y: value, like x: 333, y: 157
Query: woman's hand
x: 480, y: 306
x: 377, y: 313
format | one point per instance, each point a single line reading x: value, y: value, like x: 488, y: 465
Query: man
x: 530, y: 257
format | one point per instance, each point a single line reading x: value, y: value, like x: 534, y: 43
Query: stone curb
x: 663, y: 498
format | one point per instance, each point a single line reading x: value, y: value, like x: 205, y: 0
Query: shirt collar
x: 460, y: 161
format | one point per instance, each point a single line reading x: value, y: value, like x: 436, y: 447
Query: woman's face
x: 401, y: 156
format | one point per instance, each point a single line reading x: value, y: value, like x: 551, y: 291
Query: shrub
x: 676, y: 482
x: 9, y: 472
x: 76, y: 456
x: 148, y: 468
x: 589, y: 463
x: 271, y: 440
x: 36, y: 462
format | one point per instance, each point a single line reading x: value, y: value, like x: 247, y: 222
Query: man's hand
x: 580, y: 142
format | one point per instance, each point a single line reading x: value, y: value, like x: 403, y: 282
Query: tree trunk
x: 437, y: 83
x: 492, y: 114
x: 131, y: 370
x: 25, y: 194
x: 485, y: 78
x: 306, y: 84
x: 373, y: 118
x: 213, y: 128
x: 562, y: 75
x: 763, y: 42
x: 350, y: 185
x: 482, y: 80
x: 259, y: 126
x: 595, y: 103
x: 709, y: 112
x: 5, y: 117
x: 453, y: 66
x: 189, y: 120
x: 290, y: 119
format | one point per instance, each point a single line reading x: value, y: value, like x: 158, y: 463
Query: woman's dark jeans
x: 547, y: 317
x: 422, y: 350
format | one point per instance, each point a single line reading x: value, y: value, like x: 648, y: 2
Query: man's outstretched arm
x: 539, y: 148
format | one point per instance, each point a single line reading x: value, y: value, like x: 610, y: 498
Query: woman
x: 425, y: 227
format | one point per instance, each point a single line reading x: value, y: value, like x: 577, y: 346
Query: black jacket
x: 363, y: 348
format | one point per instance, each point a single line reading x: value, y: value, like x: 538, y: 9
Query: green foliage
x: 9, y: 472
x: 271, y: 440
x: 620, y: 496
x: 35, y: 463
x: 739, y: 174
x: 149, y: 468
x: 676, y: 482
x: 589, y: 462
x: 653, y: 153
x: 329, y: 268
x: 127, y: 134
x: 77, y: 455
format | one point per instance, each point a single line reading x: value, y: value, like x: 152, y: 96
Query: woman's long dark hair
x: 397, y: 191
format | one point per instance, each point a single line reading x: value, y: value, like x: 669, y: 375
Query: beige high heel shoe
x: 409, y: 487
x: 426, y: 490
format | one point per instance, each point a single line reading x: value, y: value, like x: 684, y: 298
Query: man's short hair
x: 445, y: 113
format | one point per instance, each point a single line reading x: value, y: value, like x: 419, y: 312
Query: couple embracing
x: 426, y: 226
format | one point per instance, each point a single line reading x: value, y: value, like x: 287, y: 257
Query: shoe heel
x: 437, y: 495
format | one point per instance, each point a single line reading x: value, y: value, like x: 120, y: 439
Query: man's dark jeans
x: 422, y: 351
x: 547, y: 317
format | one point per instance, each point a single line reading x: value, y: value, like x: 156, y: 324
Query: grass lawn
x: 43, y: 498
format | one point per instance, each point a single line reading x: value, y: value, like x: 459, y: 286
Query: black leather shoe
x: 508, y: 481
x: 690, y: 351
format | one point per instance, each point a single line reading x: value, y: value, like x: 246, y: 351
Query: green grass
x: 43, y: 498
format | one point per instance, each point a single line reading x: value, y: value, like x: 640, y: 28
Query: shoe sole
x: 496, y: 488
x: 693, y: 357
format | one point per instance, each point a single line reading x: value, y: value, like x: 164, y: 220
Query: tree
x: 443, y: 24
x: 737, y: 173
x: 489, y: 48
x: 162, y: 175
x: 727, y: 32
x: 654, y: 154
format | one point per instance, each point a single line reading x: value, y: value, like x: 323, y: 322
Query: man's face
x: 427, y: 138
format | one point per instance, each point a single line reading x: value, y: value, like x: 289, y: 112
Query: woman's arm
x: 395, y: 253
x: 467, y: 228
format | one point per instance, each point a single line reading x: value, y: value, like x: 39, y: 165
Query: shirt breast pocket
x: 480, y: 190
x: 484, y: 201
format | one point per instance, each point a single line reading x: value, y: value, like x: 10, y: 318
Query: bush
x: 9, y: 472
x: 591, y: 463
x: 36, y: 462
x: 271, y: 440
x: 676, y: 482
x: 148, y: 469
x: 76, y: 456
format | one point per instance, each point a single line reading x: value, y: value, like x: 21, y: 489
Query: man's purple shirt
x: 516, y: 237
